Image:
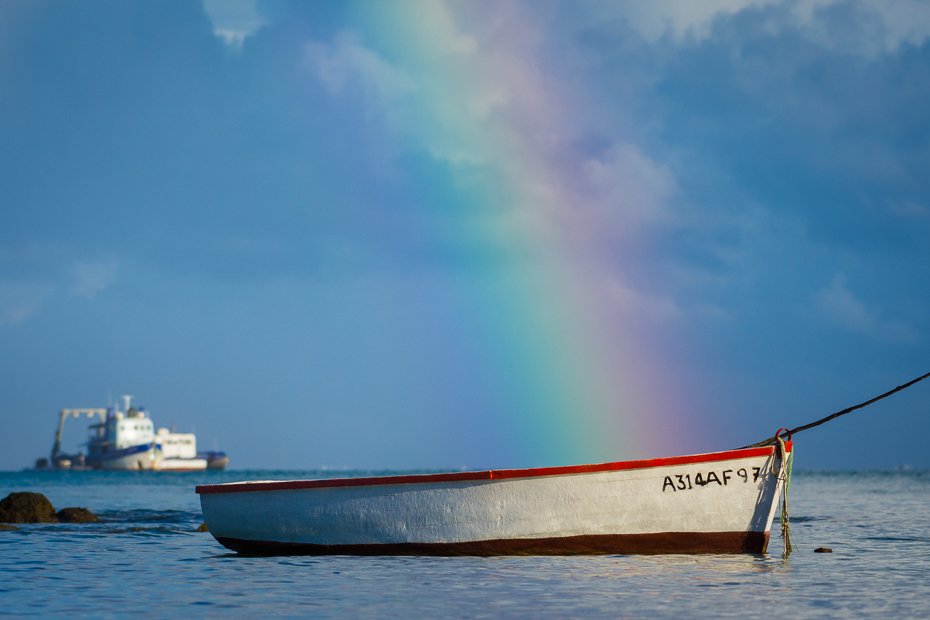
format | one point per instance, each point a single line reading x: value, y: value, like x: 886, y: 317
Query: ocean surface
x: 147, y: 560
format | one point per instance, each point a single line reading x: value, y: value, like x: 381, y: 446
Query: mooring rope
x: 783, y: 476
x: 773, y: 440
x: 783, y: 472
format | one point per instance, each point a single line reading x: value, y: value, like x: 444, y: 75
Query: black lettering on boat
x: 701, y: 479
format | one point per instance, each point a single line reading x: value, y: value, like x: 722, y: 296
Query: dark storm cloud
x: 814, y: 128
x: 801, y: 149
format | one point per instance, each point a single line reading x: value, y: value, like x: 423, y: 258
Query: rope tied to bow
x: 789, y: 433
x: 786, y: 459
x: 783, y: 478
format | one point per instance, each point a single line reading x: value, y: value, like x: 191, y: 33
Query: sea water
x: 146, y: 559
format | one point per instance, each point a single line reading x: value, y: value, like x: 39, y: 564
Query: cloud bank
x: 571, y: 206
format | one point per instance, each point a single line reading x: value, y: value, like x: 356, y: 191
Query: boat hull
x: 598, y: 544
x: 711, y: 503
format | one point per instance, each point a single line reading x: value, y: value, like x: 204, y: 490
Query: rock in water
x: 5, y: 527
x: 26, y: 507
x: 77, y: 515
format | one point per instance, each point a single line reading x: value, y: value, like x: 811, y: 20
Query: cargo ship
x: 127, y: 441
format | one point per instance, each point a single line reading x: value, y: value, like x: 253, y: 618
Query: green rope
x: 784, y: 474
x: 790, y: 467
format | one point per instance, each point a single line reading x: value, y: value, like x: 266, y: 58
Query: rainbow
x: 565, y: 337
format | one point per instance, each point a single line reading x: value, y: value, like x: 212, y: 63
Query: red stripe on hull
x: 495, y: 474
x: 612, y: 544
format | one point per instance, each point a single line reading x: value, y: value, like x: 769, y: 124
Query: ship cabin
x: 176, y: 445
x: 121, y: 431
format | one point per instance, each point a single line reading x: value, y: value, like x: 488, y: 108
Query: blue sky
x: 252, y: 217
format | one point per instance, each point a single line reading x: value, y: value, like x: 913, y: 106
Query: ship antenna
x: 126, y: 398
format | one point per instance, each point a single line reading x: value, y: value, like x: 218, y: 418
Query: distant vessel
x: 127, y: 442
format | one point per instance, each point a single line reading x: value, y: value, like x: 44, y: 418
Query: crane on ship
x: 57, y: 458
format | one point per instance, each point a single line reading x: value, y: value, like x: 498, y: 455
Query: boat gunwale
x: 493, y: 474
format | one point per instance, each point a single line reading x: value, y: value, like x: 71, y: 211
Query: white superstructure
x: 131, y: 430
x: 122, y: 441
x: 177, y: 445
x: 178, y: 451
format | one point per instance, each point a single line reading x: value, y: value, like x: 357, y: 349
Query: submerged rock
x: 5, y: 527
x: 26, y: 507
x: 203, y: 528
x: 77, y: 515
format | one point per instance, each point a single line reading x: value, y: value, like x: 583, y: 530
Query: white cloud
x: 910, y: 209
x: 654, y: 19
x: 21, y: 300
x: 233, y: 20
x: 348, y: 62
x: 443, y: 36
x: 631, y: 302
x: 891, y: 23
x: 888, y: 23
x: 489, y: 106
x: 840, y: 305
x: 629, y: 188
x: 91, y: 278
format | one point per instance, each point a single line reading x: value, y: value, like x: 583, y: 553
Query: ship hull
x: 134, y: 458
x: 181, y: 464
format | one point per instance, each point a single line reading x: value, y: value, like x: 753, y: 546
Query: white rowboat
x: 722, y: 502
